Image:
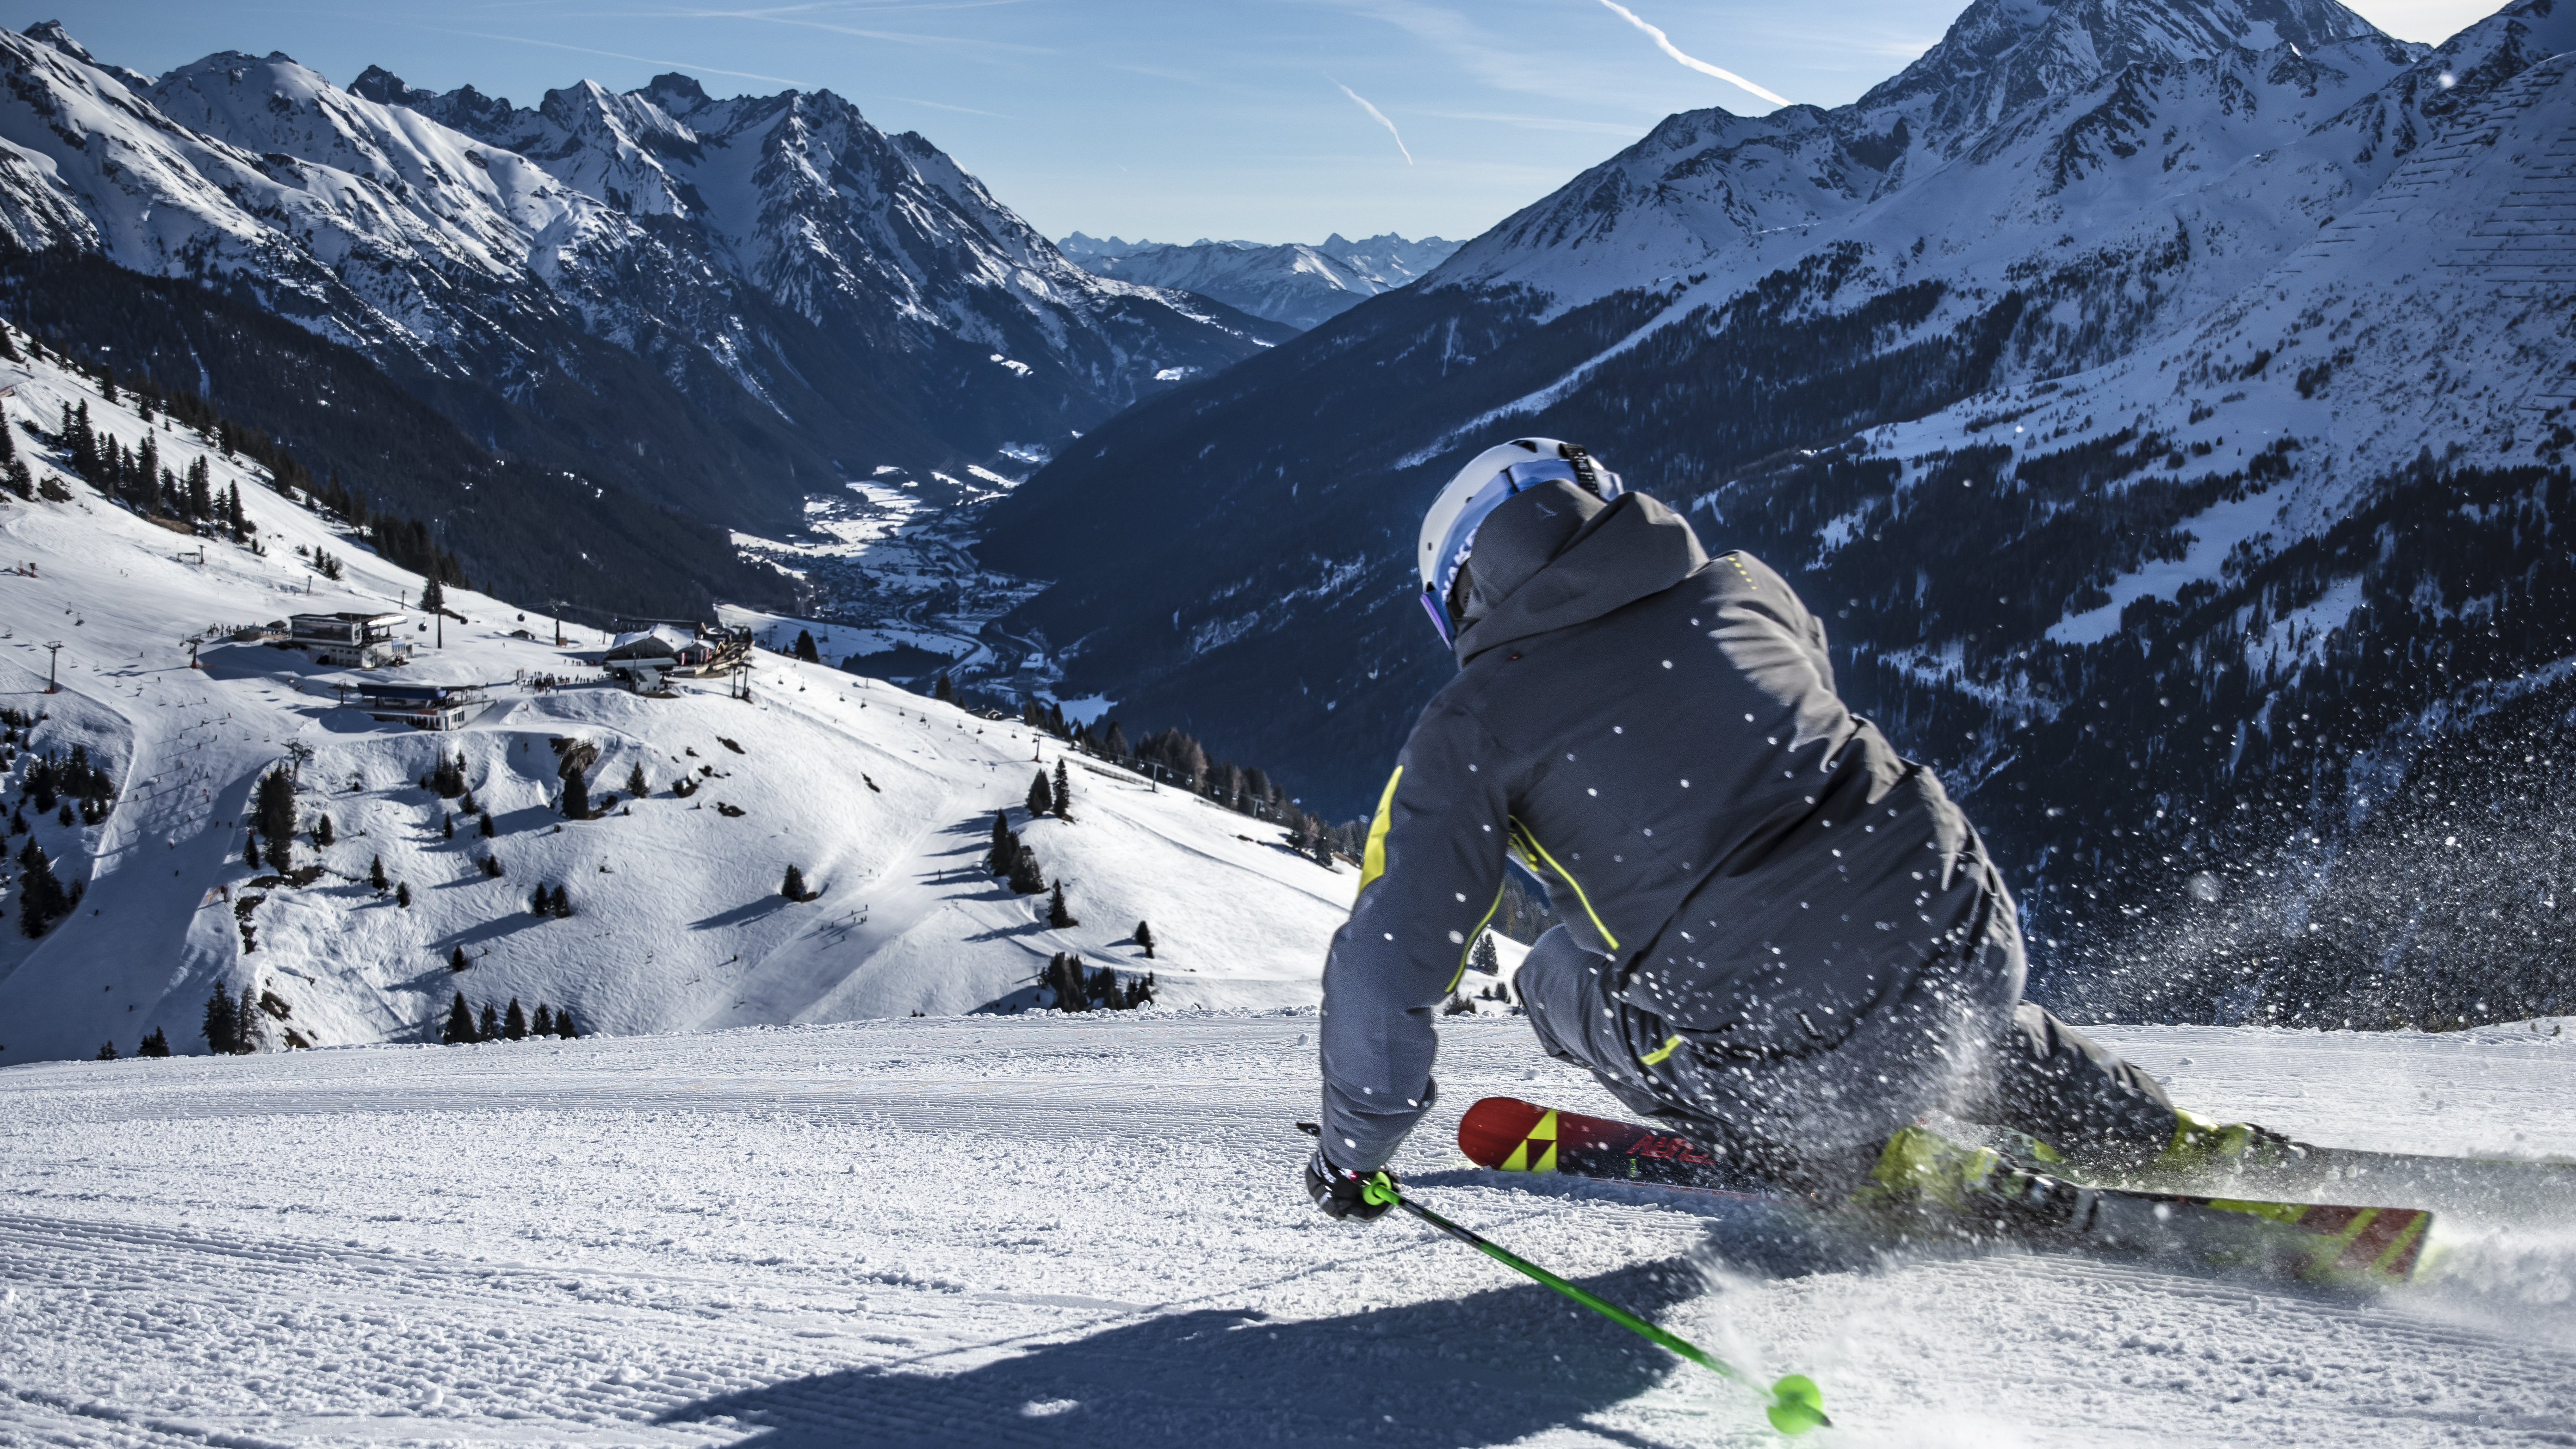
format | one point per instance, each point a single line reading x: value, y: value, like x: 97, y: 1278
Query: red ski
x: 2312, y: 1242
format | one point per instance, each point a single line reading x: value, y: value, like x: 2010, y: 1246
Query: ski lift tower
x: 55, y: 648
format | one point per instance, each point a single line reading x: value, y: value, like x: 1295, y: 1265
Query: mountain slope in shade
x: 2087, y: 427
x: 1299, y: 285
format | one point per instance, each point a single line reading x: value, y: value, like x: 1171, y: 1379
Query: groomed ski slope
x: 1085, y: 1231
x: 882, y: 798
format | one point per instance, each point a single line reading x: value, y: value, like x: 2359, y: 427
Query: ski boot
x: 2204, y: 1153
x: 1924, y: 1180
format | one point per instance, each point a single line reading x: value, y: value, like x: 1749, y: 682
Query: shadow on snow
x: 1488, y: 1368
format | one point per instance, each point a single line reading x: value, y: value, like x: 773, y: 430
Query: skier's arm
x: 1430, y: 880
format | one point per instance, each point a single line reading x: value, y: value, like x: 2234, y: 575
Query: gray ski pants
x: 1960, y: 1042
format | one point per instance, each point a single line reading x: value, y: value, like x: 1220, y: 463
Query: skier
x: 1780, y: 938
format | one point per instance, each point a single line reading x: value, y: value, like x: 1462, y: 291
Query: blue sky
x: 1270, y: 120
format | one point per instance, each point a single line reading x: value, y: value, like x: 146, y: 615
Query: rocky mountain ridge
x: 718, y: 307
x: 2107, y: 411
x: 1299, y: 285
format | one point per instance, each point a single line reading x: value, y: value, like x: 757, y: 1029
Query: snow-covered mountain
x: 774, y: 292
x: 883, y: 799
x: 1302, y: 286
x: 2165, y: 404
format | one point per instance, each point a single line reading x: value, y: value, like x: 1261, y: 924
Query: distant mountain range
x: 710, y: 307
x: 2166, y: 403
x: 1299, y: 285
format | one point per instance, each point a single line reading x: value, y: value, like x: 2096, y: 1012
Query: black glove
x: 1341, y: 1193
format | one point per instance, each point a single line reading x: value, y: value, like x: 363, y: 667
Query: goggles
x: 1459, y: 541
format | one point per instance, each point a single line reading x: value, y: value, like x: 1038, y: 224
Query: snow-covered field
x: 1049, y: 1230
x: 882, y: 798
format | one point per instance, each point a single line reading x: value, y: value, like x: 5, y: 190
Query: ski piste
x: 2322, y: 1243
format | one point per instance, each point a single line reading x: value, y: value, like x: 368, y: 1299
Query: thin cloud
x: 1381, y: 120
x: 1665, y: 44
x: 793, y: 17
x: 691, y: 66
x: 944, y: 106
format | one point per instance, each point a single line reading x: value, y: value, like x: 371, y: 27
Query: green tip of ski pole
x: 1796, y: 1405
x: 1380, y: 1189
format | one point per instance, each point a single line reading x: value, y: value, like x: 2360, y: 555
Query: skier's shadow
x: 1489, y: 1368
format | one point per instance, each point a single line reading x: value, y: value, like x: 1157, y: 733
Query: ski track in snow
x: 1086, y: 1231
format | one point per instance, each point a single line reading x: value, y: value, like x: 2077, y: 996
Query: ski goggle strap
x: 1460, y: 541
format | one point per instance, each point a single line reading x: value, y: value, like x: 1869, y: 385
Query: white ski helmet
x: 1449, y: 529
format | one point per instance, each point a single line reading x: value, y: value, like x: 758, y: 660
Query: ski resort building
x: 422, y: 706
x: 348, y: 641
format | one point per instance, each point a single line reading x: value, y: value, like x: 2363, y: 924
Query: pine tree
x: 219, y: 1028
x: 563, y: 1023
x: 446, y: 826
x: 1006, y: 846
x: 433, y: 598
x: 576, y: 796
x: 323, y: 835
x: 1026, y: 878
x: 1041, y: 796
x: 460, y: 1020
x: 41, y: 900
x: 483, y: 825
x: 805, y: 647
x: 154, y: 1045
x: 514, y: 1026
x: 1058, y: 916
x: 246, y: 1027
x: 943, y: 691
x: 1486, y: 962
x: 541, y: 902
x: 1064, y: 978
x: 376, y: 871
x: 281, y: 854
x: 12, y: 468
x: 107, y: 1051
x: 250, y: 852
x: 402, y: 895
x: 489, y: 1029
x: 1145, y: 939
x: 274, y: 805
x: 544, y: 1025
x: 563, y: 903
x: 1063, y: 792
x: 201, y: 489
x: 636, y: 784
x: 491, y: 865
x: 794, y: 886
x: 456, y: 958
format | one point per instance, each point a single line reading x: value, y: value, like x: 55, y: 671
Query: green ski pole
x: 1796, y: 1406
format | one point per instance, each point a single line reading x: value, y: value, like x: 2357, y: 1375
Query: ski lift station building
x: 422, y: 706
x: 348, y: 641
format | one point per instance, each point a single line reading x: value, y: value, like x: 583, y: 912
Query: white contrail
x: 1381, y: 120
x: 1664, y: 42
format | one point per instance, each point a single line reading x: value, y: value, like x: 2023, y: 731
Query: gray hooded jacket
x: 1655, y: 733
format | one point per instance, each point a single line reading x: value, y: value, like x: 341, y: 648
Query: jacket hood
x: 1555, y: 557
